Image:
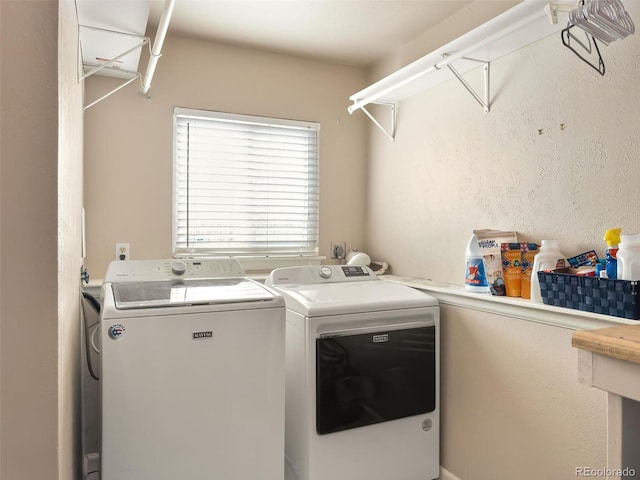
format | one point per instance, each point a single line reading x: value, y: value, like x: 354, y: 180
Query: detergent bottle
x: 475, y: 278
x: 548, y: 257
x: 629, y: 257
x: 612, y: 237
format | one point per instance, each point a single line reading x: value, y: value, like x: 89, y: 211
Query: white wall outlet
x: 122, y: 251
x: 338, y: 250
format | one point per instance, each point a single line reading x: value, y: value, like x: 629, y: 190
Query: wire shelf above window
x: 516, y: 28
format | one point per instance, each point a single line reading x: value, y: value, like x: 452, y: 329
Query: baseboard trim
x: 446, y: 475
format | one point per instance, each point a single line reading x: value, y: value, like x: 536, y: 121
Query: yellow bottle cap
x: 612, y: 237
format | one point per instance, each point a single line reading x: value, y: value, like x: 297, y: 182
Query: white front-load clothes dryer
x: 192, y: 364
x: 362, y: 386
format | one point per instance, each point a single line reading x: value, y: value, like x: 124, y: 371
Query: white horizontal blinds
x: 245, y: 185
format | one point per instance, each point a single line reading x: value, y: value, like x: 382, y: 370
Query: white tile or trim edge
x: 446, y: 475
x: 456, y: 295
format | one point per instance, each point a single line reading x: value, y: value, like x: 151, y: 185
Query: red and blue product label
x: 611, y: 267
x: 475, y: 274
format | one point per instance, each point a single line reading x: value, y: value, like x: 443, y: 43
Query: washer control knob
x: 325, y: 272
x: 178, y: 268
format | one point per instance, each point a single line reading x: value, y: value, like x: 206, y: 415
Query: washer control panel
x: 150, y: 270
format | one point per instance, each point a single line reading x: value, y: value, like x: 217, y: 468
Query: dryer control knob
x: 178, y: 268
x: 325, y: 272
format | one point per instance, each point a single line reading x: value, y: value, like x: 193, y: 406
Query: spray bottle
x: 612, y: 237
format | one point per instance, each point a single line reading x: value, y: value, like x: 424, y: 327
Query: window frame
x: 255, y: 259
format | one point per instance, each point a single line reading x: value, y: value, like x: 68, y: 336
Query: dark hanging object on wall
x: 583, y: 49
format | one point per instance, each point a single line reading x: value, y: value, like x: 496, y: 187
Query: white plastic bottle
x: 548, y: 257
x: 475, y: 277
x: 629, y: 257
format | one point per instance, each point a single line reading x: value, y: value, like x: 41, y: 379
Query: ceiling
x: 351, y: 32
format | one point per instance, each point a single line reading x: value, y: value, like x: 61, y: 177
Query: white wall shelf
x: 518, y: 27
x: 111, y: 37
x: 106, y: 30
x: 514, y: 307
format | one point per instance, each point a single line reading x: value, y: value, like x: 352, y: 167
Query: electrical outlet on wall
x: 122, y: 251
x: 338, y: 250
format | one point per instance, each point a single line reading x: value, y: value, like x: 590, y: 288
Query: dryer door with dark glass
x: 363, y: 378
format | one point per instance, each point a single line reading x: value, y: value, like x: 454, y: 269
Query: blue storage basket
x: 618, y: 298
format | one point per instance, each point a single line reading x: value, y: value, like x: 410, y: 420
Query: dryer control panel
x: 317, y: 274
x: 355, y: 271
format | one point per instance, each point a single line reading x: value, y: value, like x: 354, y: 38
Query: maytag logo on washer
x: 381, y: 338
x: 116, y: 331
x: 197, y: 335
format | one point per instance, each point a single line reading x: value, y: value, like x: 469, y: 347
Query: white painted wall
x: 511, y: 403
x: 128, y: 140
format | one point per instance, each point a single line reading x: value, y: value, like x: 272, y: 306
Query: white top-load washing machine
x: 192, y: 364
x: 362, y: 387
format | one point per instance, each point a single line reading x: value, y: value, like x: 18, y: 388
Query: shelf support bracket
x: 131, y: 80
x: 392, y: 107
x: 143, y: 41
x: 485, y: 102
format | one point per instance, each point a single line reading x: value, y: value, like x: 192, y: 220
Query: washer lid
x: 169, y: 293
x: 357, y: 297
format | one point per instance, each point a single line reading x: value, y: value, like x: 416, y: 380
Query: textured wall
x: 557, y: 157
x: 512, y: 407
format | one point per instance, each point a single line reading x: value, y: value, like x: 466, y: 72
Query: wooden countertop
x: 621, y: 342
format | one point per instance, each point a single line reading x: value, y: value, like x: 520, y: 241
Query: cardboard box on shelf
x: 490, y: 242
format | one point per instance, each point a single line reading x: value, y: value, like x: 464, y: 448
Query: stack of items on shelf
x: 499, y: 264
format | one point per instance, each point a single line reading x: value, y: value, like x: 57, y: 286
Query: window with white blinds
x: 244, y: 185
